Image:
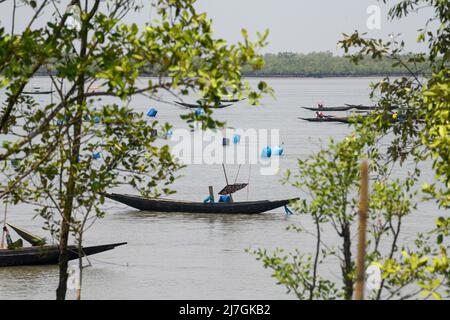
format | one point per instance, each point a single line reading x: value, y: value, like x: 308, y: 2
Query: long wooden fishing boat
x: 231, y: 100
x: 47, y: 255
x: 347, y: 107
x: 341, y: 108
x: 368, y: 108
x: 325, y: 119
x: 194, y: 106
x: 165, y: 205
x: 38, y: 92
x: 334, y: 119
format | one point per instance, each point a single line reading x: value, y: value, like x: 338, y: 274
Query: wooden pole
x: 226, y: 179
x: 363, y: 208
x: 4, y: 224
x: 225, y: 173
x: 211, y: 193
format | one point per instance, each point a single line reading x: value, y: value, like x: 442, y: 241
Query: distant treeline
x: 325, y: 64
x: 316, y: 64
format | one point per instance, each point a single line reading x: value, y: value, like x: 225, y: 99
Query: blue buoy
x: 96, y: 119
x: 152, y: 112
x: 278, y: 151
x: 199, y: 112
x: 169, y: 134
x: 97, y: 155
x: 236, y: 138
x: 266, y: 152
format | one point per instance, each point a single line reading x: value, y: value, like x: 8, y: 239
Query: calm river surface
x: 176, y: 256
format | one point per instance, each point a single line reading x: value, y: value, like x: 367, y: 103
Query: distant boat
x: 332, y: 119
x: 231, y: 100
x: 343, y: 108
x: 47, y: 255
x: 42, y: 254
x: 363, y: 107
x: 325, y: 119
x: 165, y: 205
x: 38, y: 92
x: 347, y: 107
x: 194, y: 106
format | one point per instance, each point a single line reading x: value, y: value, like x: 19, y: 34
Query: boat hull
x: 369, y: 108
x: 326, y: 119
x: 334, y: 119
x: 194, y: 106
x: 161, y: 205
x: 346, y: 108
x: 46, y: 255
x: 37, y: 92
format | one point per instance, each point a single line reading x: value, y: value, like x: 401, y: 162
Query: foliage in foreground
x: 63, y: 155
x: 329, y: 180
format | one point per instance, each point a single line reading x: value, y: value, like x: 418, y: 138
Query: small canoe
x: 165, y: 205
x: 368, y: 108
x: 326, y: 119
x: 343, y: 108
x: 195, y: 106
x: 231, y: 100
x: 46, y: 255
x: 38, y: 92
x: 333, y: 119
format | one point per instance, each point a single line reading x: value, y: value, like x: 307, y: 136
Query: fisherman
x: 9, y: 241
x: 10, y: 244
x: 320, y: 105
x: 320, y: 115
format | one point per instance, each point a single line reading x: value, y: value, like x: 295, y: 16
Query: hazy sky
x: 305, y: 25
x: 295, y: 25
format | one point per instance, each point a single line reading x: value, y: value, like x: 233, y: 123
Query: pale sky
x: 295, y: 25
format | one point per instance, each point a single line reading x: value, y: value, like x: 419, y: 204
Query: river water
x: 194, y: 256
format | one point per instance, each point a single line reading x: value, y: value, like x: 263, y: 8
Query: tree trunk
x: 347, y: 267
x: 80, y: 264
x: 63, y: 256
x: 68, y: 207
x: 75, y: 152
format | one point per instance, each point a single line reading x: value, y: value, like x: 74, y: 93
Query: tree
x: 328, y: 183
x: 419, y: 132
x: 68, y: 153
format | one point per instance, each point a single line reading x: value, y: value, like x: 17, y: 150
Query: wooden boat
x: 347, y: 107
x: 333, y: 119
x: 45, y: 255
x: 343, y: 108
x: 325, y: 119
x: 368, y: 108
x: 231, y: 100
x: 38, y: 92
x: 194, y: 106
x: 165, y: 205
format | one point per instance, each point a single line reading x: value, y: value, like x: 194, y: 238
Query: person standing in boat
x: 9, y: 241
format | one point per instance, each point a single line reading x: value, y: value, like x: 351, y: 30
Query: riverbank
x: 291, y: 75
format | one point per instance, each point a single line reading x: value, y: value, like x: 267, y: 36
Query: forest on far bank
x: 315, y: 64
x: 325, y: 64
